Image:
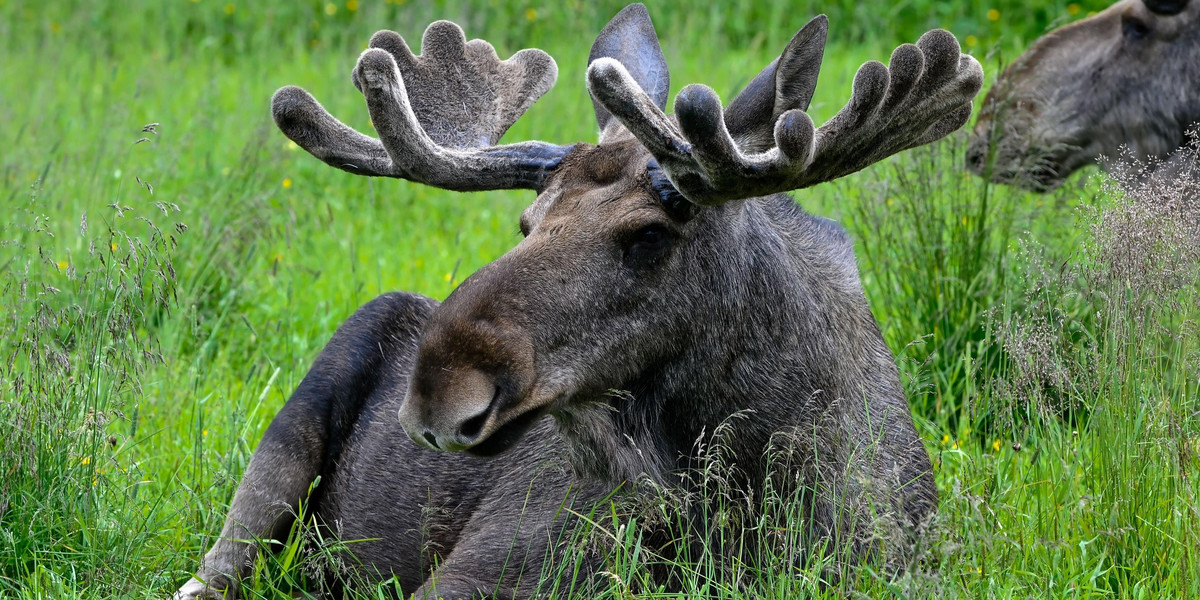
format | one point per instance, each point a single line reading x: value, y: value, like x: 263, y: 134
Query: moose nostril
x: 429, y: 437
x: 471, y: 427
x: 974, y: 158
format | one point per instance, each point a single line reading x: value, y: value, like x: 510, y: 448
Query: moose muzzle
x: 472, y: 388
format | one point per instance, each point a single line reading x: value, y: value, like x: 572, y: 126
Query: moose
x: 1128, y: 76
x: 665, y: 283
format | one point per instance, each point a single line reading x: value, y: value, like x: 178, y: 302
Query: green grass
x: 144, y: 354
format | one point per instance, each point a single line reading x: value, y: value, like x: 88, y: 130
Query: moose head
x: 648, y: 260
x: 1127, y: 76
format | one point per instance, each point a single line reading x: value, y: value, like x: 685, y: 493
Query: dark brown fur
x: 767, y: 317
x: 627, y: 325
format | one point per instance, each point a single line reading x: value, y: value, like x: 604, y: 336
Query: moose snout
x: 457, y: 416
x: 474, y: 372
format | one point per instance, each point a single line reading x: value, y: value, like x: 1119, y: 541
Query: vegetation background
x: 171, y: 265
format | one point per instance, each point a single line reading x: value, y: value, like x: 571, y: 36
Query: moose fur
x: 631, y: 321
x: 1128, y: 77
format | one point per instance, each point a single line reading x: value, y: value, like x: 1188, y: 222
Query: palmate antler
x: 766, y: 143
x: 439, y: 114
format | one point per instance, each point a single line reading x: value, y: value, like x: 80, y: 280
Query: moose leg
x: 307, y: 436
x: 510, y: 548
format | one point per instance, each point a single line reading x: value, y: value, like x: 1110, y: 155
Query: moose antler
x: 773, y: 147
x: 439, y: 114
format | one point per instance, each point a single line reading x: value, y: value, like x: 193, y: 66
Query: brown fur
x: 631, y: 322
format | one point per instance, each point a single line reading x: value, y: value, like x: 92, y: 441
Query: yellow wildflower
x: 287, y: 182
x: 229, y: 8
x: 972, y: 41
x: 351, y: 5
x: 996, y: 446
x: 1073, y: 9
x: 331, y: 9
x: 993, y: 15
x: 531, y: 14
x: 85, y: 461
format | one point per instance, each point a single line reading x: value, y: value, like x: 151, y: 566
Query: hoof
x: 217, y: 588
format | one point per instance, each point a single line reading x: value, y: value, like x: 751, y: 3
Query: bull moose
x: 1128, y: 76
x: 664, y: 283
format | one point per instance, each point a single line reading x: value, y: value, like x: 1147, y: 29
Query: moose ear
x: 629, y: 38
x: 785, y: 84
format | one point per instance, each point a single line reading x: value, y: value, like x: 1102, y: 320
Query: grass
x: 162, y: 298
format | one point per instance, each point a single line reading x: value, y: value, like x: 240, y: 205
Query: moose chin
x: 666, y: 283
x: 1124, y: 81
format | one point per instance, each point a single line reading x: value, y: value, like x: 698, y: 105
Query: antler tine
x: 788, y: 82
x: 438, y: 114
x: 923, y: 96
x: 303, y: 120
x: 612, y: 85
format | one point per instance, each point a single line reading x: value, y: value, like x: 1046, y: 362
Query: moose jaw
x: 666, y: 263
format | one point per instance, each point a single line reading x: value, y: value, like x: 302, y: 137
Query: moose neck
x: 785, y: 331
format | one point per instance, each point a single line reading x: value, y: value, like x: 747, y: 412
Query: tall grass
x: 161, y: 298
x: 81, y: 310
x: 942, y: 256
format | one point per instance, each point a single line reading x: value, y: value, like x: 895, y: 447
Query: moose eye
x: 645, y: 246
x: 650, y: 235
x: 1134, y: 28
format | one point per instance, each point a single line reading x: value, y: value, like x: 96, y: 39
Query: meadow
x: 171, y: 265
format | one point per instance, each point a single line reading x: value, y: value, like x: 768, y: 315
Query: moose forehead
x: 613, y: 179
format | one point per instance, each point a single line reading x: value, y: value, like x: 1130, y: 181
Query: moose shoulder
x: 664, y: 284
x: 1126, y: 77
